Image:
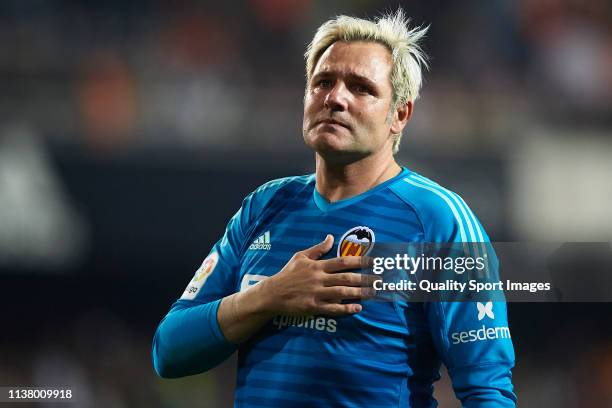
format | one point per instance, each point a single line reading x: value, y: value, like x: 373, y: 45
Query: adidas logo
x: 262, y: 242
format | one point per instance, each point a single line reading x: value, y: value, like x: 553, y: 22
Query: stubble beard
x: 337, y: 154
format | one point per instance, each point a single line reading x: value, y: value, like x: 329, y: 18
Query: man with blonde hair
x: 307, y: 330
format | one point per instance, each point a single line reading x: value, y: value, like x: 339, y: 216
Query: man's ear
x: 400, y: 117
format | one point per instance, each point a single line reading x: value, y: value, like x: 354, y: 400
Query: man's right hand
x: 308, y: 285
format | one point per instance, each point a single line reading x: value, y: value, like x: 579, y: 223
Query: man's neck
x: 339, y: 181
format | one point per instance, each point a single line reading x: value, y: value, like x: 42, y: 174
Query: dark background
x: 131, y: 131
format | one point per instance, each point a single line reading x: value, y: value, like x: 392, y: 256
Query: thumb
x: 320, y: 249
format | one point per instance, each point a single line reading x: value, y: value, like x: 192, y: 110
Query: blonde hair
x: 390, y: 30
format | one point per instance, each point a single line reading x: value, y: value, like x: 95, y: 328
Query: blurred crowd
x: 122, y: 76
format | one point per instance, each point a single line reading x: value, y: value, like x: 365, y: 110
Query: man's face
x: 347, y: 101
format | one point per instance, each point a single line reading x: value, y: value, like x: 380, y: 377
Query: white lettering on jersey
x: 249, y: 280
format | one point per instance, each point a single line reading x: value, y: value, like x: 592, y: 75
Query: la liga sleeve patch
x: 198, y: 280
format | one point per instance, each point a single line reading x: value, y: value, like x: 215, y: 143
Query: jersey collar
x: 325, y: 205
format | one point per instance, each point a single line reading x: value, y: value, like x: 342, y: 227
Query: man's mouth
x: 333, y: 122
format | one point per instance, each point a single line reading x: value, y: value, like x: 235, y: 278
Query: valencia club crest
x: 357, y: 241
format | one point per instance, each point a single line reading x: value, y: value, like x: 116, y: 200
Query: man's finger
x: 343, y: 263
x: 338, y: 309
x: 320, y: 249
x: 349, y: 279
x: 340, y: 293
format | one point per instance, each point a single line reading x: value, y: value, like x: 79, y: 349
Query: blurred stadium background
x: 131, y: 130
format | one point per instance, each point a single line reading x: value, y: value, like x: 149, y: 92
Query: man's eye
x: 362, y: 89
x: 323, y: 83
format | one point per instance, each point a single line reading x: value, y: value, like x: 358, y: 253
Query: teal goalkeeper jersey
x: 389, y: 354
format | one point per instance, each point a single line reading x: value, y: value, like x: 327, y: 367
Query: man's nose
x: 336, y: 99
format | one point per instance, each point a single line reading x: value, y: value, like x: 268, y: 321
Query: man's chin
x: 337, y: 152
x: 325, y: 142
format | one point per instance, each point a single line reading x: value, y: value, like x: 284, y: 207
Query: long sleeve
x: 189, y: 340
x: 471, y: 338
x: 478, y: 353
